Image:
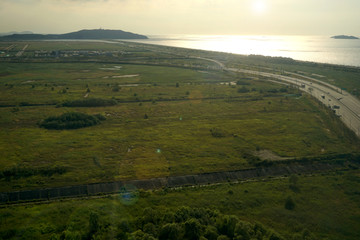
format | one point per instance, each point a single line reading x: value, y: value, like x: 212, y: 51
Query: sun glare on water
x: 259, y: 6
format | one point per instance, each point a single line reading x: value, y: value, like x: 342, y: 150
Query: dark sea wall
x: 171, y: 182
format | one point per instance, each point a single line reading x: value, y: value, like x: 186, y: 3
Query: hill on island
x: 344, y: 37
x: 82, y: 34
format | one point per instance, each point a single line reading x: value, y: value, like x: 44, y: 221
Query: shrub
x: 243, y: 90
x: 116, y: 89
x: 293, y: 183
x: 17, y: 172
x: 215, y: 132
x: 90, y: 102
x: 71, y: 120
x: 289, y: 203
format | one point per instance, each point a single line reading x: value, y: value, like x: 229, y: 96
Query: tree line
x: 89, y: 102
x: 175, y: 224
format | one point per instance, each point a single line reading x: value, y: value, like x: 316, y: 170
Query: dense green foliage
x: 71, y: 120
x: 165, y: 224
x: 193, y: 224
x: 23, y: 172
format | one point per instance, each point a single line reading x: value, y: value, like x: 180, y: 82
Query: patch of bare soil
x: 268, y: 155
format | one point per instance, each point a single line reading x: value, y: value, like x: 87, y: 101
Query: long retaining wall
x: 156, y: 183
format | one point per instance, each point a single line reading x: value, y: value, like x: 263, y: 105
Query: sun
x: 259, y: 6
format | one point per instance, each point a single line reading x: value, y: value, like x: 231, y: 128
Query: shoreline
x: 268, y: 46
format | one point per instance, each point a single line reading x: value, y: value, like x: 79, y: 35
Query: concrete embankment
x: 168, y: 182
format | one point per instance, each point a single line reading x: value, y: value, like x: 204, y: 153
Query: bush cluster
x: 275, y: 90
x: 243, y: 90
x: 17, y: 172
x: 71, y: 120
x: 89, y: 102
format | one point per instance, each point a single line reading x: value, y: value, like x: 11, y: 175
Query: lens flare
x: 129, y: 194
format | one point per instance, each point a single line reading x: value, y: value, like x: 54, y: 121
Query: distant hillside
x: 344, y: 37
x: 82, y: 34
x: 11, y: 33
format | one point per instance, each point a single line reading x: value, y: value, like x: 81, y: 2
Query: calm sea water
x: 321, y: 49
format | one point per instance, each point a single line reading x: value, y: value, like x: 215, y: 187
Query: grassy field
x: 168, y: 120
x: 182, y: 107
x: 325, y: 207
x: 171, y: 114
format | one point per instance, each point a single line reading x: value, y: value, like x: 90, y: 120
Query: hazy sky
x: 239, y: 17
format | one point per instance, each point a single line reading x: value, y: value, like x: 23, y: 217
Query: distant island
x: 344, y: 37
x: 82, y: 34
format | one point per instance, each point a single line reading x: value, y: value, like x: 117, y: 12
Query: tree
x: 211, y: 233
x: 243, y: 230
x: 170, y: 231
x: 226, y: 225
x: 192, y: 229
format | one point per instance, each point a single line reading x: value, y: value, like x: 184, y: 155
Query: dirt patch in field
x: 123, y: 76
x: 115, y: 68
x: 268, y: 155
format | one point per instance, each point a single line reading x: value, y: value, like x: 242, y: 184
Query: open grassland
x: 323, y: 207
x: 44, y: 83
x: 170, y: 113
x: 167, y: 121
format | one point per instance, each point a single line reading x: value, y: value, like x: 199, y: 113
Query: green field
x: 182, y: 107
x: 325, y: 207
x: 168, y: 113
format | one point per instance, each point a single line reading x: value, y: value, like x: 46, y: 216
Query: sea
x: 321, y: 49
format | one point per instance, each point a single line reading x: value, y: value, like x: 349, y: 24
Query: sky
x: 208, y: 17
